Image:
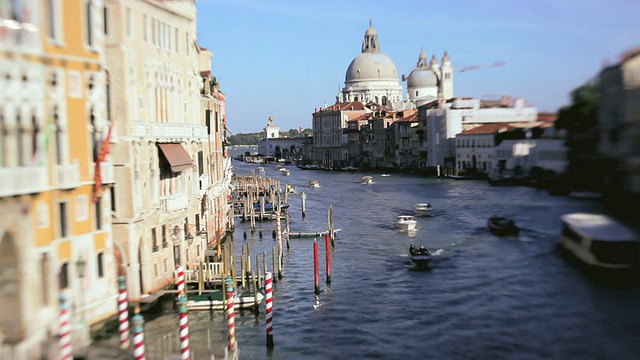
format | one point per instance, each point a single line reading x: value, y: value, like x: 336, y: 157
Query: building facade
x: 55, y: 171
x: 159, y: 200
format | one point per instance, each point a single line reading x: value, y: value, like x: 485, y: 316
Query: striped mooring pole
x: 138, y: 335
x: 184, y: 328
x: 230, y: 314
x: 123, y: 312
x: 269, y: 305
x: 66, y: 351
x: 328, y: 254
x: 180, y: 280
x: 316, y: 267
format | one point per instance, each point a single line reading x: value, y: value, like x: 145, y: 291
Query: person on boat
x: 412, y: 249
x: 423, y: 250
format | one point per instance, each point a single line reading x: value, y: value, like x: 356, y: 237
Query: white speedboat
x: 406, y: 223
x: 314, y: 184
x: 285, y: 172
x: 600, y: 242
x: 367, y: 179
x: 422, y: 209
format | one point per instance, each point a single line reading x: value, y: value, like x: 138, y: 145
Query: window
x: 62, y: 208
x: 105, y: 20
x: 165, y: 243
x: 98, y: 210
x: 144, y: 28
x: 129, y: 24
x: 101, y: 265
x: 54, y: 30
x: 113, y: 198
x: 63, y: 276
x: 44, y: 277
x: 89, y: 22
x: 154, y: 240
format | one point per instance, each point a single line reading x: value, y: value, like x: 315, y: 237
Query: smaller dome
x: 446, y: 57
x: 270, y: 118
x: 434, y: 61
x: 421, y: 77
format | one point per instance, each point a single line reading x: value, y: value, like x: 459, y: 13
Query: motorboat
x: 502, y: 226
x: 385, y: 175
x: 284, y: 171
x: 268, y: 206
x: 420, y: 257
x: 291, y: 189
x: 314, y: 184
x: 215, y: 300
x: 367, y: 179
x: 422, y: 209
x: 406, y: 223
x: 600, y: 241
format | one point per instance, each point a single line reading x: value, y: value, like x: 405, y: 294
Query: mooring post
x: 275, y: 264
x: 259, y: 280
x: 316, y: 273
x: 304, y: 204
x: 66, y: 347
x: 231, y: 314
x: 123, y: 312
x: 288, y: 230
x: 328, y: 253
x: 243, y: 267
x: 138, y: 335
x: 264, y: 259
x: 269, y: 309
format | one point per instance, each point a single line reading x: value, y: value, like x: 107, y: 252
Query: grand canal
x: 485, y: 297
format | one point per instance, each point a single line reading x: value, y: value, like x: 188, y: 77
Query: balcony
x: 67, y: 176
x: 23, y: 180
x: 175, y: 202
x: 168, y: 132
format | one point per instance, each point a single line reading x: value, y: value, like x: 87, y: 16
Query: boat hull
x: 213, y: 301
x: 406, y: 226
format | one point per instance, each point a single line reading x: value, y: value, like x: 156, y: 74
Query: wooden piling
x: 275, y: 264
x: 258, y: 274
x: 304, y: 206
x: 243, y: 267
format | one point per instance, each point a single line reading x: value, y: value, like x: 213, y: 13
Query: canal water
x: 484, y: 297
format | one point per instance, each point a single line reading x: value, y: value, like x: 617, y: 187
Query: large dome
x: 371, y: 66
x: 422, y: 77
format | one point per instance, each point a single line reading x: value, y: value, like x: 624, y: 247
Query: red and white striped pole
x: 230, y: 314
x: 180, y: 280
x: 269, y: 304
x: 66, y: 351
x: 328, y: 255
x: 123, y: 312
x: 138, y: 335
x: 316, y: 267
x: 184, y: 328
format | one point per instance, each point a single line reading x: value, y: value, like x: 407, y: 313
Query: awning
x: 177, y: 156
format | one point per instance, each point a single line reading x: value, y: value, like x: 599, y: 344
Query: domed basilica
x: 373, y: 77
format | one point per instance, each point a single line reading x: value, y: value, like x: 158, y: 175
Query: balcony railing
x: 175, y: 202
x: 67, y: 176
x: 23, y: 180
x: 168, y: 131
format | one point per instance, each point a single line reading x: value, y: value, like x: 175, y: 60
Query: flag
x: 104, y: 151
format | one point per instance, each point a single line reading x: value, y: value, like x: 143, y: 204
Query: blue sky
x: 284, y: 58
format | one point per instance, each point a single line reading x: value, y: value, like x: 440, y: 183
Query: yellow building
x: 54, y: 119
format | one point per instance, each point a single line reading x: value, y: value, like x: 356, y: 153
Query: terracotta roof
x: 547, y: 117
x: 490, y: 128
x: 348, y: 106
x: 409, y: 118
